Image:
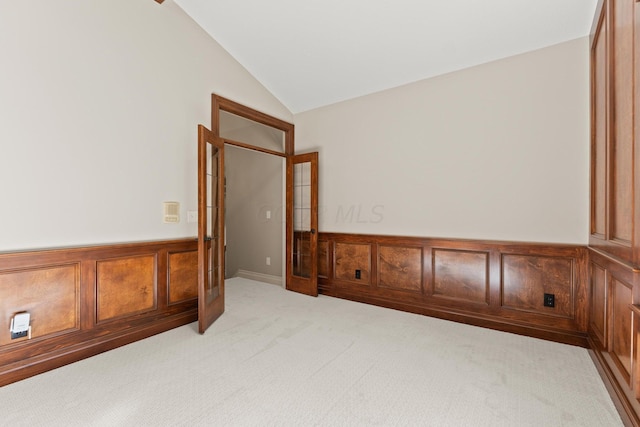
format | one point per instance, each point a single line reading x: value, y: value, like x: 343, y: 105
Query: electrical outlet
x: 20, y: 325
x: 358, y: 275
x: 268, y: 260
x: 15, y: 335
x: 549, y: 300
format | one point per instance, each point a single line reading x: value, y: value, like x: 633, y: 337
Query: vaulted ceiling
x: 311, y: 53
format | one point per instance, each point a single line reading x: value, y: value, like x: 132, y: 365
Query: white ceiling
x: 311, y: 53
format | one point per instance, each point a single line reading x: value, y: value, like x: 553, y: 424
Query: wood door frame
x: 219, y: 103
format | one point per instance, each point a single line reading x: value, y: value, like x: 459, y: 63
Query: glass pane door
x: 302, y: 219
x: 302, y: 223
x: 210, y: 228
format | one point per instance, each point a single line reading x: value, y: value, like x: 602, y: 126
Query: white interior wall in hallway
x: 497, y: 151
x: 253, y: 192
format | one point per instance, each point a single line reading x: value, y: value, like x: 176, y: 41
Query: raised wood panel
x: 598, y: 308
x: 461, y: 275
x: 622, y: 120
x: 526, y: 278
x: 599, y: 129
x: 462, y: 281
x: 614, y: 244
x: 635, y: 356
x: 125, y: 286
x: 23, y: 290
x: 183, y: 276
x: 615, y: 361
x: 323, y: 258
x: 400, y: 268
x: 636, y: 236
x: 350, y: 257
x: 614, y: 166
x: 60, y: 288
x: 621, y: 338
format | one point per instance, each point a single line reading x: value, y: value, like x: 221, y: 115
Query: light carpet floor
x: 280, y: 358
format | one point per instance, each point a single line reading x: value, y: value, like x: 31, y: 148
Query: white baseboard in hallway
x: 259, y: 277
x: 278, y: 358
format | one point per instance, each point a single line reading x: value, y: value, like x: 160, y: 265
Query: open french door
x: 210, y: 228
x: 302, y: 223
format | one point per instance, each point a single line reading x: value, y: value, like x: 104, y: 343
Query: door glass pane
x: 302, y: 219
x: 213, y: 277
x: 241, y: 129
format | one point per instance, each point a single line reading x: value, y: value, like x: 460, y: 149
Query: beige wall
x: 100, y: 101
x: 99, y: 106
x: 497, y: 151
x: 254, y: 186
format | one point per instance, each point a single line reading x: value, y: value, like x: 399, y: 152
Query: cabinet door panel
x: 599, y: 123
x: 622, y: 123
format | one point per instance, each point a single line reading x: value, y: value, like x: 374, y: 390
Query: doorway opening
x: 255, y: 220
x: 263, y: 149
x: 256, y: 147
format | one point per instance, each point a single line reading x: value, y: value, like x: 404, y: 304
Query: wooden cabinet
x: 614, y: 241
x: 614, y: 161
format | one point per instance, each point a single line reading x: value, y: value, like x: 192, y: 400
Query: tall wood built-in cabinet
x: 614, y: 243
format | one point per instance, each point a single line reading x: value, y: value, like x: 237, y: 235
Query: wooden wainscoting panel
x: 461, y: 275
x: 598, y: 309
x: 621, y: 159
x: 526, y: 278
x: 23, y: 290
x: 125, y: 286
x: 183, y: 276
x: 635, y: 356
x: 350, y: 257
x: 621, y: 338
x: 66, y: 290
x: 323, y: 258
x: 599, y: 130
x: 400, y: 268
x: 462, y: 280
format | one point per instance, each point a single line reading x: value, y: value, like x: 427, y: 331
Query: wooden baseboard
x: 260, y: 277
x: 550, y: 334
x: 627, y: 407
x: 82, y: 350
